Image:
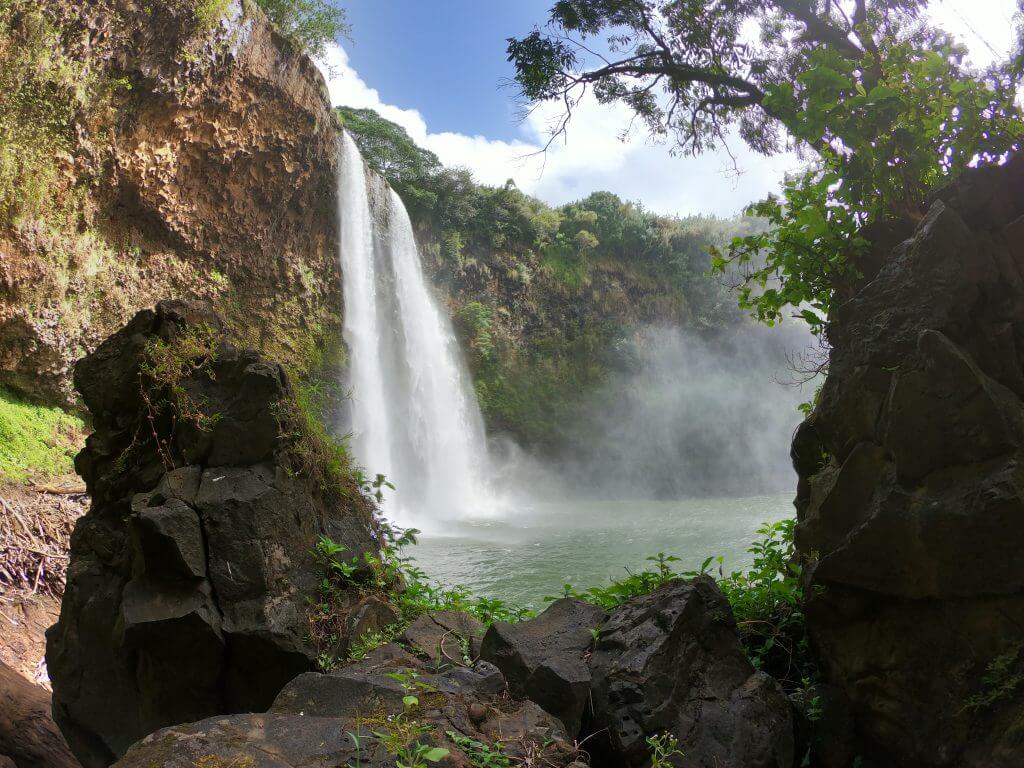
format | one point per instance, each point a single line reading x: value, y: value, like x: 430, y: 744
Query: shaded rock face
x: 189, y: 576
x: 543, y: 659
x: 671, y: 662
x: 329, y: 720
x: 911, y: 494
x: 212, y: 177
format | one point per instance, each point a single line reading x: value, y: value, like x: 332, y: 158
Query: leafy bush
x: 310, y: 24
x: 766, y: 601
x: 35, y: 441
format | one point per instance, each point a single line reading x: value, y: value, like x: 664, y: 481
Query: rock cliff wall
x: 911, y: 494
x: 193, y: 155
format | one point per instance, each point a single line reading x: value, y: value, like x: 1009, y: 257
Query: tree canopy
x: 882, y: 100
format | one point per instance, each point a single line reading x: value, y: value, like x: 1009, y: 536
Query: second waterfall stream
x: 414, y: 415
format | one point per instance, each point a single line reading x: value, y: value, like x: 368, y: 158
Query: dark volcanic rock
x: 318, y: 719
x: 911, y: 495
x: 443, y: 636
x: 543, y: 659
x: 671, y: 662
x: 188, y: 583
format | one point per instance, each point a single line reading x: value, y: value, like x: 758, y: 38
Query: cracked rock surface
x: 189, y: 576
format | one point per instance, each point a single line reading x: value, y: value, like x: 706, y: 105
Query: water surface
x: 528, y: 556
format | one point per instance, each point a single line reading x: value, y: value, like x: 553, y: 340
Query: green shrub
x: 310, y: 24
x: 35, y: 441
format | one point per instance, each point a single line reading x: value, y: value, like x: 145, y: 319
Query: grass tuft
x: 36, y: 441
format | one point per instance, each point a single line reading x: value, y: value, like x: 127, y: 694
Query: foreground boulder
x: 187, y: 592
x: 670, y: 662
x: 911, y: 495
x: 28, y: 736
x: 543, y: 659
x: 360, y: 715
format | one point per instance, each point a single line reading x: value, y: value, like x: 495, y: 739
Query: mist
x: 684, y: 416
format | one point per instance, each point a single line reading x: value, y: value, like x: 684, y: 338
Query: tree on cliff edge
x: 880, y: 99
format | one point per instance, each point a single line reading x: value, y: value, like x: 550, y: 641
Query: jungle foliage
x: 881, y: 101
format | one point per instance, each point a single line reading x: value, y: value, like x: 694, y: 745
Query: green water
x: 585, y: 543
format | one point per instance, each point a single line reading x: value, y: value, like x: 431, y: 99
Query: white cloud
x: 592, y: 156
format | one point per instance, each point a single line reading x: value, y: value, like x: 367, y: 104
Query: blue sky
x: 434, y: 67
x: 444, y: 58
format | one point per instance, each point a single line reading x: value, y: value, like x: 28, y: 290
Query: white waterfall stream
x: 414, y: 416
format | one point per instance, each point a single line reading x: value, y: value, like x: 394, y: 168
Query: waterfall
x: 414, y: 416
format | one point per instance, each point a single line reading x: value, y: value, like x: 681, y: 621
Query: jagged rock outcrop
x: 911, y: 494
x: 543, y: 659
x: 331, y: 719
x: 201, y: 164
x: 670, y: 662
x: 190, y: 577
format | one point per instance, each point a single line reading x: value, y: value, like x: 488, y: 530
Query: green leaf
x: 436, y: 754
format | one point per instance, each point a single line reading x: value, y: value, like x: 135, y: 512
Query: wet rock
x: 188, y: 583
x: 543, y: 659
x: 911, y: 493
x: 671, y: 662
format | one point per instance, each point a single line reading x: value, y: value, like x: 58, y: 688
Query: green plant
x: 480, y: 755
x: 36, y: 441
x: 419, y: 595
x: 318, y: 455
x: 1001, y: 679
x: 664, y: 747
x: 361, y: 646
x: 327, y: 554
x: 767, y: 603
x: 167, y: 366
x: 209, y: 13
x: 418, y: 755
x: 639, y: 583
x: 411, y: 685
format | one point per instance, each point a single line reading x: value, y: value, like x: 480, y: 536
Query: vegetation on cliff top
x: 310, y: 24
x: 880, y: 98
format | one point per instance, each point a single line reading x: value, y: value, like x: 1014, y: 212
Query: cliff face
x: 198, y: 162
x: 535, y: 339
x: 911, y: 495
